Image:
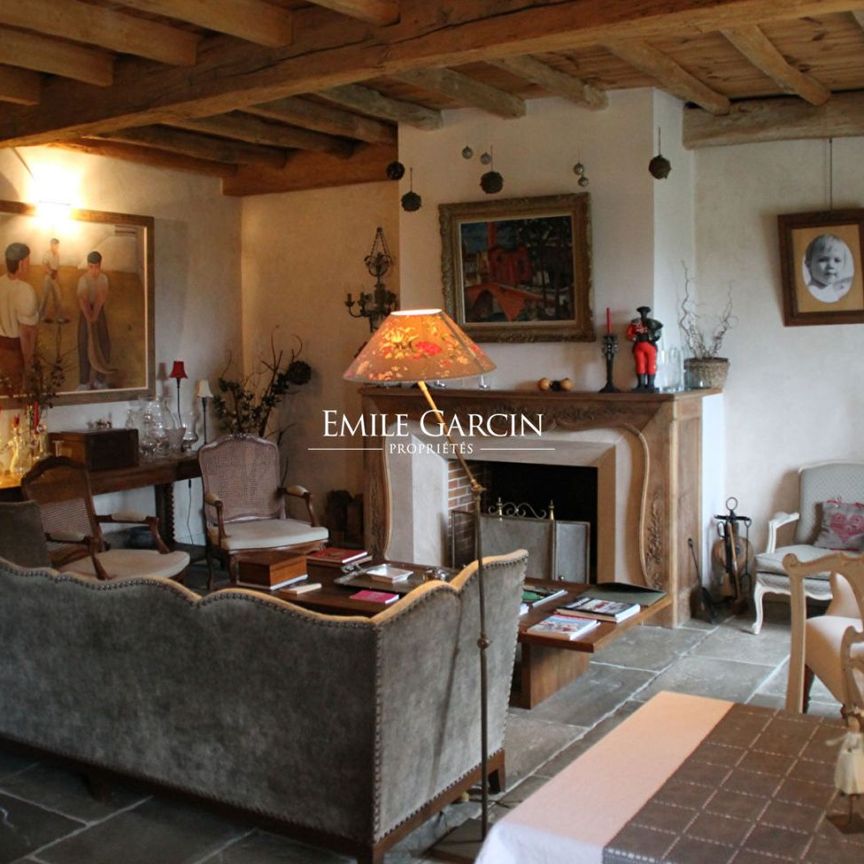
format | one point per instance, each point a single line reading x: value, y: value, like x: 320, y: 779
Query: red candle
x: 608, y: 320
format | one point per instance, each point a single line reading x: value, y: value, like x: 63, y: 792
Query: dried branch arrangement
x: 703, y: 334
x: 244, y: 405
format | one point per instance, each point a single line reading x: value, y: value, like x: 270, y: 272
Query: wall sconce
x: 379, y: 303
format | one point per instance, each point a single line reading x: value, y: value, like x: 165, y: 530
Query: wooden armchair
x: 830, y: 646
x: 244, y: 502
x: 61, y: 488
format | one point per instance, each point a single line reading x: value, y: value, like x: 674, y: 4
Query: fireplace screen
x: 557, y: 548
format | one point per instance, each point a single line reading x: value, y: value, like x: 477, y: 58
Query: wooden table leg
x: 544, y: 670
x: 164, y: 494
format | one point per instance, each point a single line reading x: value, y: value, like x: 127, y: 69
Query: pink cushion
x: 842, y: 526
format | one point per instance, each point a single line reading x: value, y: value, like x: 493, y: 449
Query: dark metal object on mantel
x: 379, y: 303
x: 610, y: 349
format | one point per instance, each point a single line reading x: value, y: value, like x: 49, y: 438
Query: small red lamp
x: 178, y: 372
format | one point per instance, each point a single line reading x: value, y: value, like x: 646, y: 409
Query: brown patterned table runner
x: 755, y: 791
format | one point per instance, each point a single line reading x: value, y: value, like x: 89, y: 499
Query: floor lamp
x: 416, y: 346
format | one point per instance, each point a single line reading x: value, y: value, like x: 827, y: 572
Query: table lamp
x: 203, y: 392
x: 416, y: 346
x: 178, y: 372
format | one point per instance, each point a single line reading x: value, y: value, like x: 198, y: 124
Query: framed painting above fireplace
x: 519, y: 270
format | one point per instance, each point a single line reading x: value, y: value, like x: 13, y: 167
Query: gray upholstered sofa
x: 346, y: 731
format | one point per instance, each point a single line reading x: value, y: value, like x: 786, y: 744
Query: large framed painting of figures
x: 76, y: 305
x: 822, y: 267
x: 519, y: 270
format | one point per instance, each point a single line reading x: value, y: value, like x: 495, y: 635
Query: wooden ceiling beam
x: 325, y: 118
x: 786, y: 118
x: 253, y: 20
x: 19, y: 86
x: 44, y: 54
x: 552, y: 81
x: 230, y: 75
x: 762, y: 53
x: 669, y: 74
x: 466, y: 91
x: 254, y: 130
x: 305, y: 170
x: 148, y: 156
x: 200, y: 146
x: 372, y: 102
x: 83, y: 22
x: 371, y: 11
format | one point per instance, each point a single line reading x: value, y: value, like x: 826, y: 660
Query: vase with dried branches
x: 703, y: 335
x: 244, y: 405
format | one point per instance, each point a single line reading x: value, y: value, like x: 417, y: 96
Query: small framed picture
x: 822, y: 267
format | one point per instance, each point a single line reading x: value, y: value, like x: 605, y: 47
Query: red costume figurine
x: 644, y: 333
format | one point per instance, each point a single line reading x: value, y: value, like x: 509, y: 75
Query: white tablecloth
x: 575, y: 815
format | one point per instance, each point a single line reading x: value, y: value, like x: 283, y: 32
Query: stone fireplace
x: 645, y: 449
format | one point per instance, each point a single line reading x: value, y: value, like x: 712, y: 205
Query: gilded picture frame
x: 519, y: 269
x: 822, y: 267
x: 89, y: 260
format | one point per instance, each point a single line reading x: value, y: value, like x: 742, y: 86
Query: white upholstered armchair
x: 244, y: 502
x: 821, y: 482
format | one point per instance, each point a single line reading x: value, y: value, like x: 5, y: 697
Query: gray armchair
x: 819, y: 482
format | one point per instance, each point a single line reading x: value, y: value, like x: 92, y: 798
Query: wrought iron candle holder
x: 610, y: 349
x: 376, y: 305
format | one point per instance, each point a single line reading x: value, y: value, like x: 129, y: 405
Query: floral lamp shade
x: 418, y: 345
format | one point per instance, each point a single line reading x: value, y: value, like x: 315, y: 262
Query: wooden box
x: 267, y: 569
x: 98, y: 449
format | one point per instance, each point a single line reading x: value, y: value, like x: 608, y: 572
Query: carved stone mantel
x: 668, y: 427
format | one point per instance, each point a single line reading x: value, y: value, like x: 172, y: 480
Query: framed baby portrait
x: 80, y: 316
x: 822, y: 267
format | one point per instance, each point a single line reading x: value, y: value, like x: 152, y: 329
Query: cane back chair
x: 61, y: 488
x: 244, y: 502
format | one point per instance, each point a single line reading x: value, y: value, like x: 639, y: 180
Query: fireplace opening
x: 572, y: 489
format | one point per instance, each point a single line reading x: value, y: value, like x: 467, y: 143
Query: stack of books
x: 388, y: 573
x: 335, y: 556
x: 535, y: 595
x: 564, y: 627
x: 603, y: 610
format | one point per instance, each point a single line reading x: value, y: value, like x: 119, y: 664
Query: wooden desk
x: 548, y: 664
x: 161, y: 474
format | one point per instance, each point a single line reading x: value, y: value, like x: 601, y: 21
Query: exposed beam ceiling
x: 757, y: 48
x: 466, y: 90
x: 670, y: 76
x: 780, y: 119
x: 372, y: 102
x: 373, y: 11
x: 553, y: 82
x: 254, y: 20
x: 284, y: 85
x: 83, y: 22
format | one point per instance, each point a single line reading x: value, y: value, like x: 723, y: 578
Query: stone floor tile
x: 776, y: 684
x: 530, y: 742
x: 707, y: 676
x: 650, y: 648
x: 600, y: 691
x: 580, y: 745
x: 157, y: 830
x: 262, y: 847
x: 64, y: 791
x: 769, y: 648
x: 24, y: 828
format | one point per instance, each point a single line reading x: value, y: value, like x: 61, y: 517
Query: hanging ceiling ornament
x: 491, y: 182
x: 659, y: 167
x: 395, y: 171
x: 467, y: 152
x: 579, y: 171
x: 411, y: 201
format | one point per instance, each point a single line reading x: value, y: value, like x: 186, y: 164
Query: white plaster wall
x: 535, y: 154
x: 197, y: 277
x: 794, y: 393
x: 302, y: 253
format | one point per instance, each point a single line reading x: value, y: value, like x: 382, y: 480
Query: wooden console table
x: 161, y: 474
